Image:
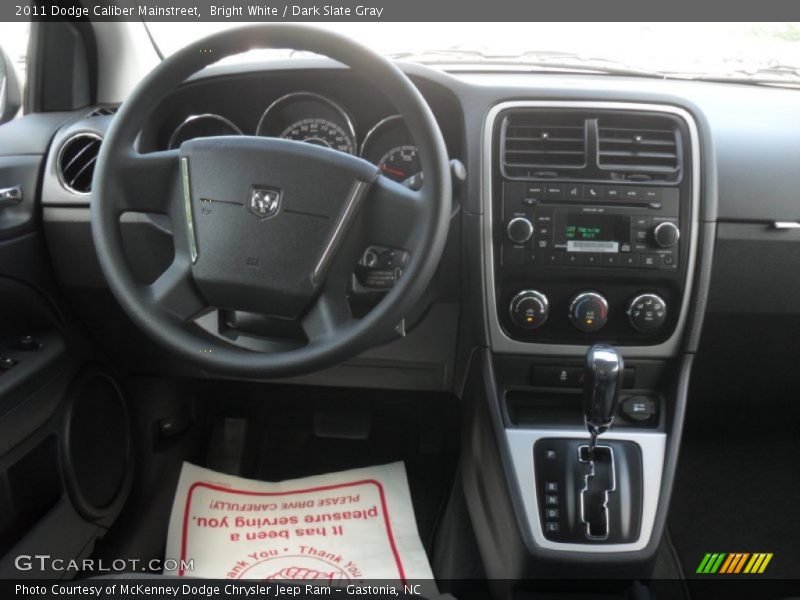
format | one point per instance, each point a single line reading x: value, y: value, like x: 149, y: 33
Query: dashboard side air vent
x: 102, y: 111
x: 76, y: 160
x: 542, y: 143
x: 647, y: 146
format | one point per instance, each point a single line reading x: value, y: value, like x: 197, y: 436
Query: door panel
x: 51, y: 402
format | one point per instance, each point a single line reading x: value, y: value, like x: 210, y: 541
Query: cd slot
x: 623, y: 205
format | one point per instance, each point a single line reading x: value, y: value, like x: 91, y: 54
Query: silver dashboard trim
x: 199, y: 117
x: 498, y: 340
x: 653, y: 446
x: 377, y: 127
x: 348, y: 120
x: 353, y: 201
x: 187, y: 208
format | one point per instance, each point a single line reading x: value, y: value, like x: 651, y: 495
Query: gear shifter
x: 601, y: 383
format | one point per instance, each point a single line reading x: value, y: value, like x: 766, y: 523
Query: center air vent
x: 76, y: 161
x: 543, y: 141
x: 640, y: 144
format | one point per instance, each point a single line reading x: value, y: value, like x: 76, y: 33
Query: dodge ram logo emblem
x: 264, y: 202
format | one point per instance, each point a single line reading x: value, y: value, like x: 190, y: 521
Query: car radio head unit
x: 575, y: 230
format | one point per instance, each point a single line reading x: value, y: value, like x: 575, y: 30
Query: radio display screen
x: 581, y: 232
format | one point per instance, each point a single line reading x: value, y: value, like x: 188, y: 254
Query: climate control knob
x: 519, y: 230
x: 666, y: 234
x: 529, y: 309
x: 647, y: 312
x: 588, y: 311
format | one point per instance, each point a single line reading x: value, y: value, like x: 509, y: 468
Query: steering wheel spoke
x: 174, y: 291
x: 393, y: 213
x: 148, y: 182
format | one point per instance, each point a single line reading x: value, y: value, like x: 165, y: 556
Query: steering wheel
x: 268, y: 225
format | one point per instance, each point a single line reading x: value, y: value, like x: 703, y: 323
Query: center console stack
x: 590, y: 227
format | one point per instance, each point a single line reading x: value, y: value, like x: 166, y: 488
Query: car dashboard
x: 587, y: 209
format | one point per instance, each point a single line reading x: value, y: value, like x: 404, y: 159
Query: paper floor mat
x: 341, y: 527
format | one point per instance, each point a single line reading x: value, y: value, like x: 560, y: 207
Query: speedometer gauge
x: 311, y: 118
x: 320, y: 132
x: 400, y: 162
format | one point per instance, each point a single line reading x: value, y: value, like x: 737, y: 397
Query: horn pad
x: 262, y: 212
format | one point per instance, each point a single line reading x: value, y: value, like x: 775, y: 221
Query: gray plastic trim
x: 498, y: 340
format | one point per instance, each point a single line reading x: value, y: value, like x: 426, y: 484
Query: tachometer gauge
x: 311, y: 118
x: 320, y: 132
x: 400, y: 162
x: 205, y: 125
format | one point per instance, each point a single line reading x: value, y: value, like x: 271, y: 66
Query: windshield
x: 756, y: 51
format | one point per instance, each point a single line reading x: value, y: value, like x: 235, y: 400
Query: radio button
x: 630, y: 260
x: 588, y: 311
x: 650, y: 261
x: 551, y: 259
x: 640, y: 235
x: 593, y: 192
x: 631, y: 193
x: 534, y: 190
x: 574, y: 192
x: 553, y: 191
x: 610, y: 260
x: 651, y: 194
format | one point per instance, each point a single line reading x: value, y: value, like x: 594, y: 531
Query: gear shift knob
x: 602, y: 379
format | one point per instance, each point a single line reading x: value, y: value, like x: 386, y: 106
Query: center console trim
x: 653, y: 448
x: 498, y: 340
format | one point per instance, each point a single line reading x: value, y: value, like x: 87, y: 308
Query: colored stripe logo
x: 734, y: 563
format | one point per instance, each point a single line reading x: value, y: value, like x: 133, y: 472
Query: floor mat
x: 336, y: 528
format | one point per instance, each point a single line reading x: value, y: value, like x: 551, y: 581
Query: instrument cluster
x: 316, y: 119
